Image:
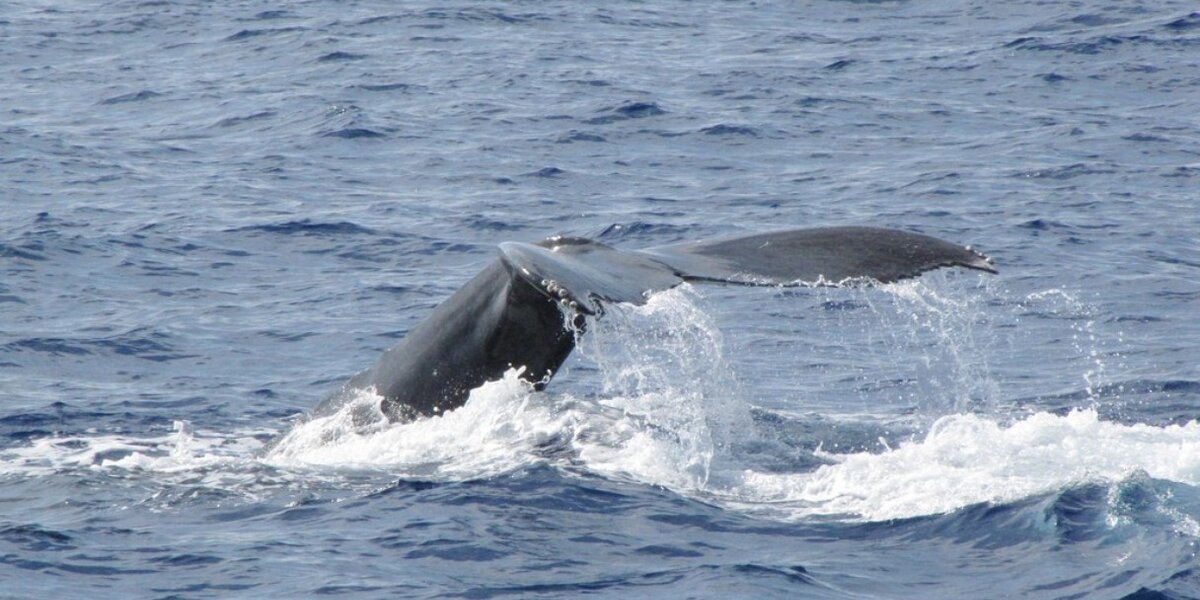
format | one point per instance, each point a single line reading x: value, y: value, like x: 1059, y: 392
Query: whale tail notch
x: 583, y: 274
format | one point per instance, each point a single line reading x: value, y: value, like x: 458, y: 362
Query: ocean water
x: 212, y: 214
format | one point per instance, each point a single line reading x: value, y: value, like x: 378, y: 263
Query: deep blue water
x: 212, y: 214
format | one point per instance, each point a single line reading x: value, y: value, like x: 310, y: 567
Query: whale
x: 527, y: 306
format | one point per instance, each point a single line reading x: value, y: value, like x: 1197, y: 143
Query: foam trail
x: 500, y: 429
x: 170, y: 468
x: 180, y: 451
x: 969, y: 459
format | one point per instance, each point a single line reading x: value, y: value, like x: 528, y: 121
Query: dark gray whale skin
x: 526, y: 307
x: 493, y: 323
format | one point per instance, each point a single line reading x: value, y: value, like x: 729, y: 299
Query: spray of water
x: 664, y: 369
x: 668, y: 411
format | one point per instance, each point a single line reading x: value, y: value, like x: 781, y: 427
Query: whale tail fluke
x: 821, y: 256
x: 583, y: 274
x: 501, y: 319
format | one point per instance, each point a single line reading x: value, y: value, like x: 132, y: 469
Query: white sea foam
x: 667, y: 415
x: 963, y: 460
x: 501, y: 428
x: 969, y: 459
x: 179, y: 450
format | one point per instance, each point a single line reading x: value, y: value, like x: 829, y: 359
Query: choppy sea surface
x: 213, y: 213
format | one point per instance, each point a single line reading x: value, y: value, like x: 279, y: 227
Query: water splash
x: 913, y: 350
x: 970, y: 459
x: 952, y: 325
x: 664, y: 369
x: 502, y: 427
x: 669, y: 412
x: 1085, y: 341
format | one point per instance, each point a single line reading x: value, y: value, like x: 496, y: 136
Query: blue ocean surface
x: 213, y: 213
